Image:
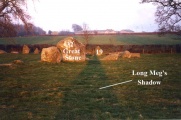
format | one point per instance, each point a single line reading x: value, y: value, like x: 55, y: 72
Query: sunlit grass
x: 38, y: 90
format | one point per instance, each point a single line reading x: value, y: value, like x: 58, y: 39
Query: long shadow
x: 84, y: 100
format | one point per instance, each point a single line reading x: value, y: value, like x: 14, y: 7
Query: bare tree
x: 10, y: 11
x: 86, y: 34
x: 168, y: 14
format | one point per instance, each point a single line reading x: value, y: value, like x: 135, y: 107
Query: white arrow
x: 115, y: 84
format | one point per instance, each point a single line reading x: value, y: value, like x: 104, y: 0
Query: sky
x: 57, y: 15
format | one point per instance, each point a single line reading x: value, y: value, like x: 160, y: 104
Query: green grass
x: 38, y: 90
x: 32, y: 40
x: 99, y: 39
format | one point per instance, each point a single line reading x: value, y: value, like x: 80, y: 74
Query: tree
x: 49, y: 32
x: 10, y: 11
x: 86, y: 34
x: 168, y: 14
x: 21, y: 31
x: 76, y: 27
x: 38, y: 31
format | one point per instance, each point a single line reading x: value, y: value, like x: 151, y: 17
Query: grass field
x: 37, y: 90
x: 99, y: 39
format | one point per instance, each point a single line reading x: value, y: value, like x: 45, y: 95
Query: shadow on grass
x: 84, y: 100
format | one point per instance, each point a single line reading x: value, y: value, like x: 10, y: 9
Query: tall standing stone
x: 26, y: 49
x: 51, y: 54
x: 71, y: 50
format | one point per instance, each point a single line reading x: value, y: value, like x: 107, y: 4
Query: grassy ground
x: 99, y: 39
x: 36, y: 90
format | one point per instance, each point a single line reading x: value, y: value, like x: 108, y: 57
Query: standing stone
x: 135, y: 55
x: 18, y: 62
x: 126, y: 54
x: 26, y: 49
x: 113, y: 56
x: 14, y: 52
x: 98, y: 51
x: 36, y: 51
x: 2, y: 52
x: 71, y: 50
x: 51, y: 54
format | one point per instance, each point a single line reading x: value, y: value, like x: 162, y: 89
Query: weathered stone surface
x: 18, y: 62
x: 116, y: 53
x: 6, y: 65
x: 71, y: 50
x: 2, y: 52
x: 113, y: 56
x: 14, y: 52
x: 135, y: 55
x: 51, y: 54
x: 36, y: 51
x: 126, y: 54
x: 26, y: 49
x: 98, y: 51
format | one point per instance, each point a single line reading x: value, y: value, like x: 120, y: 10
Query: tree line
x: 20, y: 30
x: 168, y: 17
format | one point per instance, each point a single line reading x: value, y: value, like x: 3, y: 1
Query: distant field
x: 99, y: 39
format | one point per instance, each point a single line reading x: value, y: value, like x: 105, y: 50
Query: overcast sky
x: 57, y: 15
